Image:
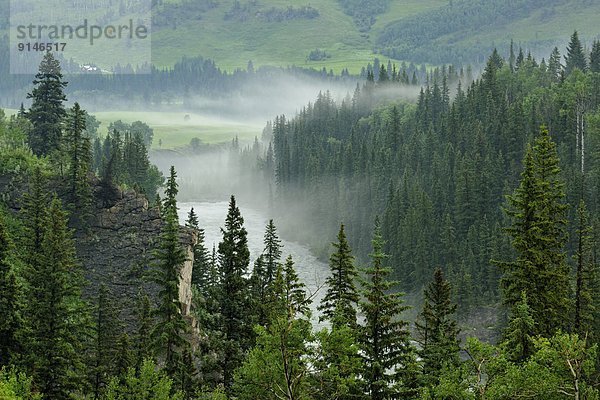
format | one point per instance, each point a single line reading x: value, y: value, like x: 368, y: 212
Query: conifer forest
x: 422, y: 225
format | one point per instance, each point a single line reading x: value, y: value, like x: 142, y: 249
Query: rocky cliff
x: 117, y: 250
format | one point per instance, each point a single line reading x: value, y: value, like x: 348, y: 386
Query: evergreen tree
x: 518, y: 339
x: 234, y: 258
x: 10, y: 306
x: 33, y: 212
x: 586, y: 279
x: 47, y: 111
x: 575, y: 57
x: 124, y: 357
x: 278, y: 366
x: 79, y: 151
x: 437, y: 328
x: 144, y: 322
x: 169, y: 332
x: 341, y: 296
x: 538, y: 236
x: 106, y: 341
x: 201, y: 272
x: 595, y: 57
x: 272, y: 251
x: 389, y: 357
x: 56, y: 318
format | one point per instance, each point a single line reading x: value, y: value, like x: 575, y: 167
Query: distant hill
x: 349, y: 33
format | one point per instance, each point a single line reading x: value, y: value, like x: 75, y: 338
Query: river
x: 311, y: 271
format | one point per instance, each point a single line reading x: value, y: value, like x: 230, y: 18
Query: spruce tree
x: 587, y: 297
x: 234, y: 258
x: 201, y: 272
x: 10, y: 305
x: 342, y: 296
x: 56, y: 318
x: 518, y: 340
x: 575, y: 57
x: 272, y: 251
x: 538, y: 237
x: 595, y: 57
x: 389, y: 357
x: 79, y: 152
x: 47, y: 111
x: 169, y: 332
x: 437, y: 329
x: 33, y: 212
x: 144, y: 322
x: 106, y: 341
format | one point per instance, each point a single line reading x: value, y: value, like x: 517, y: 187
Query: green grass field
x: 232, y: 44
x: 172, y: 131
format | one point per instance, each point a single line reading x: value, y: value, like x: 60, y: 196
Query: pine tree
x: 79, y: 151
x: 10, y: 306
x: 554, y: 66
x: 56, y: 318
x: 595, y: 57
x: 47, y: 111
x: 201, y: 272
x: 538, y: 237
x: 234, y: 258
x: 384, y: 339
x: 272, y: 251
x: 437, y: 328
x: 124, y: 357
x: 144, y: 323
x: 106, y: 341
x: 278, y: 367
x: 33, y: 212
x: 341, y: 295
x: 169, y: 332
x: 586, y: 279
x: 575, y: 57
x: 518, y: 339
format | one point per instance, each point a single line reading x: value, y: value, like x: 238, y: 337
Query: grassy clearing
x: 174, y: 131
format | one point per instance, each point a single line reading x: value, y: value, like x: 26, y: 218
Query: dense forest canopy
x: 482, y: 194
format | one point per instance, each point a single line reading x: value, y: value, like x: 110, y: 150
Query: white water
x: 311, y: 271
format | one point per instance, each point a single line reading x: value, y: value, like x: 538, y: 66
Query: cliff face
x: 117, y: 250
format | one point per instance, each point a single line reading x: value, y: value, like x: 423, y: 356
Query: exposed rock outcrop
x: 118, y: 247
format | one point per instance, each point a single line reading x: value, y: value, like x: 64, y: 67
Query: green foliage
x: 278, y: 366
x: 203, y: 274
x: 538, y: 236
x: 169, y: 332
x: 105, y: 347
x: 78, y: 148
x: 123, y: 159
x: 236, y: 314
x: 575, y: 58
x: 339, y: 303
x: 56, y: 318
x: 147, y: 384
x: 16, y: 386
x: 437, y: 329
x: 337, y: 364
x: 389, y: 357
x: 10, y: 299
x: 47, y: 111
x: 518, y: 339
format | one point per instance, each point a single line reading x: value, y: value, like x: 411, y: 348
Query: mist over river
x: 211, y: 216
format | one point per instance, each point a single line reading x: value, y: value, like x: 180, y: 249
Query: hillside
x: 231, y: 42
x: 339, y: 34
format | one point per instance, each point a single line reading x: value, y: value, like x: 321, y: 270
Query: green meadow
x: 172, y: 130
